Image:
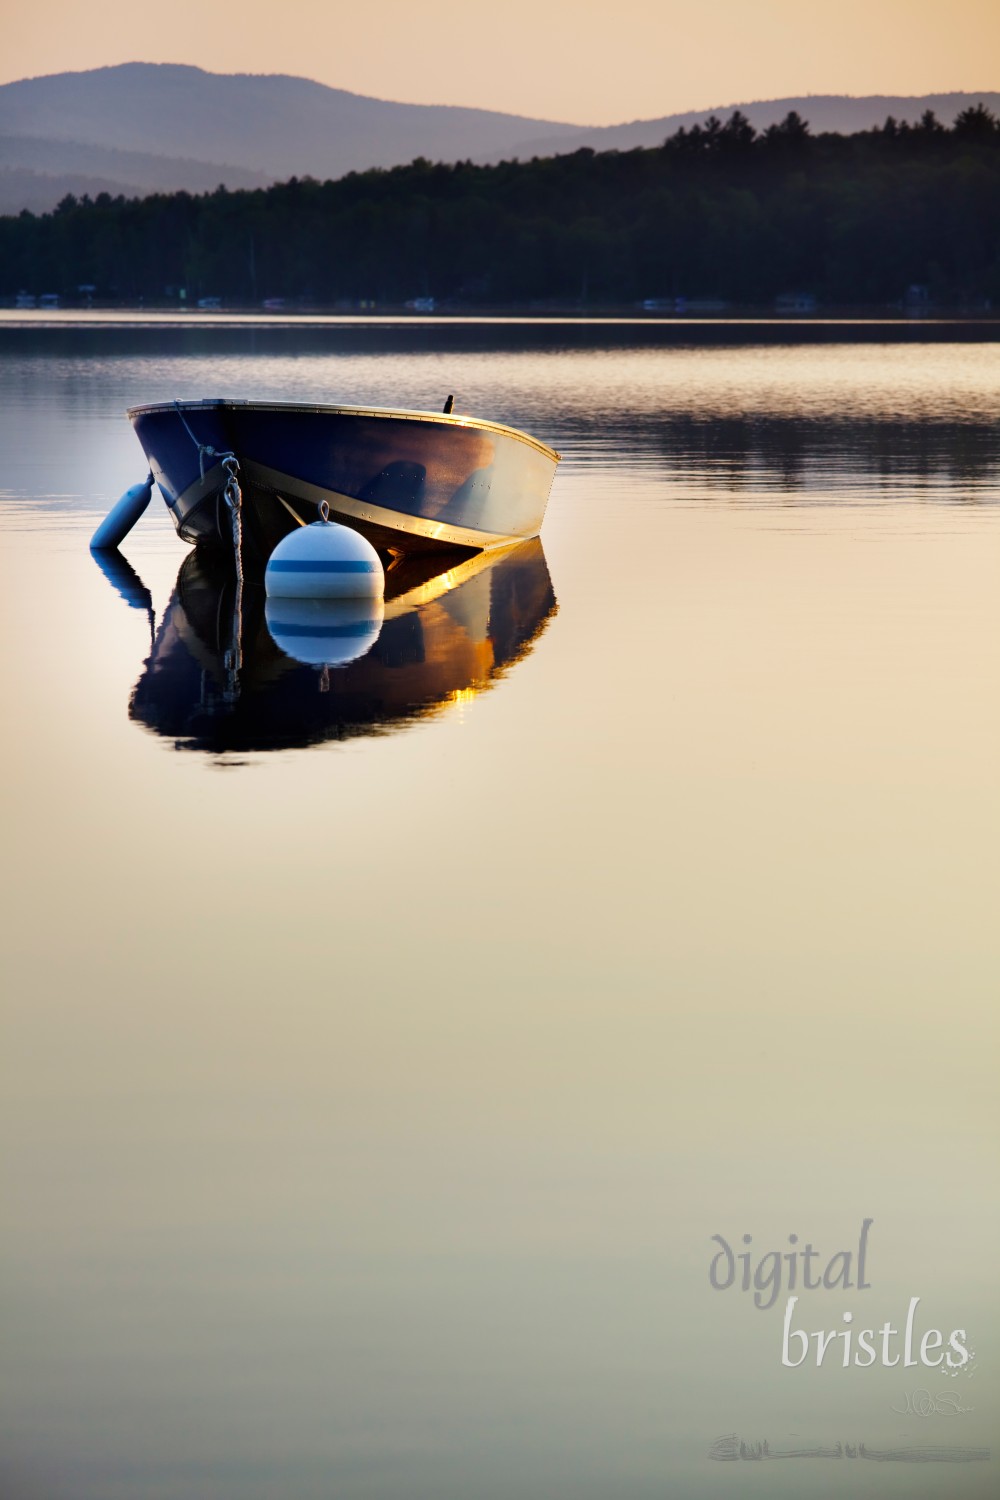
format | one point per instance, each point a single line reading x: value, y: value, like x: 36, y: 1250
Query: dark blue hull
x: 409, y: 481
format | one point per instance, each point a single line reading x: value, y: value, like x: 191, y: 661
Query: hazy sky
x: 586, y: 62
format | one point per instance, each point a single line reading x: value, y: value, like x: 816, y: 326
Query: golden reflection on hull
x: 445, y: 637
x: 408, y: 480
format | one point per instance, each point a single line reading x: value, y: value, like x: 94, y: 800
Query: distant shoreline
x: 138, y: 315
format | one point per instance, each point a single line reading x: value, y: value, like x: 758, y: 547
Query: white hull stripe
x: 379, y: 515
x: 345, y: 505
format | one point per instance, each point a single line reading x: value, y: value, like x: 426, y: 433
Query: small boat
x: 409, y: 481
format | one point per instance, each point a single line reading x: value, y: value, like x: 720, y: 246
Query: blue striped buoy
x: 324, y: 561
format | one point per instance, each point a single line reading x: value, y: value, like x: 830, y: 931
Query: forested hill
x: 139, y: 128
x: 718, y: 211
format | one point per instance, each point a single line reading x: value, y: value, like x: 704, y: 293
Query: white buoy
x: 122, y: 517
x: 324, y: 632
x: 324, y: 561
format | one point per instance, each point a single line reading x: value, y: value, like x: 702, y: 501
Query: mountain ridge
x: 157, y: 127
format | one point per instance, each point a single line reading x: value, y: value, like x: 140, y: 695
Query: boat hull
x: 409, y: 481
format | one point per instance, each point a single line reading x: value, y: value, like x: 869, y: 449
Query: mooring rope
x: 202, y: 448
x: 233, y: 498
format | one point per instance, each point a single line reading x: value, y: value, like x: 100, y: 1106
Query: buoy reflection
x: 324, y: 632
x: 311, y: 671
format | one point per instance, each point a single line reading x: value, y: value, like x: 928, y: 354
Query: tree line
x: 719, y: 211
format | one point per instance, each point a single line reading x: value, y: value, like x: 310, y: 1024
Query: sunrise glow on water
x: 386, y: 1062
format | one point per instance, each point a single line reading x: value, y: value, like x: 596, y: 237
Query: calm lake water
x: 383, y: 1049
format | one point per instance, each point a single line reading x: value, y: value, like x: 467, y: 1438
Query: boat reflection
x: 219, y: 679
